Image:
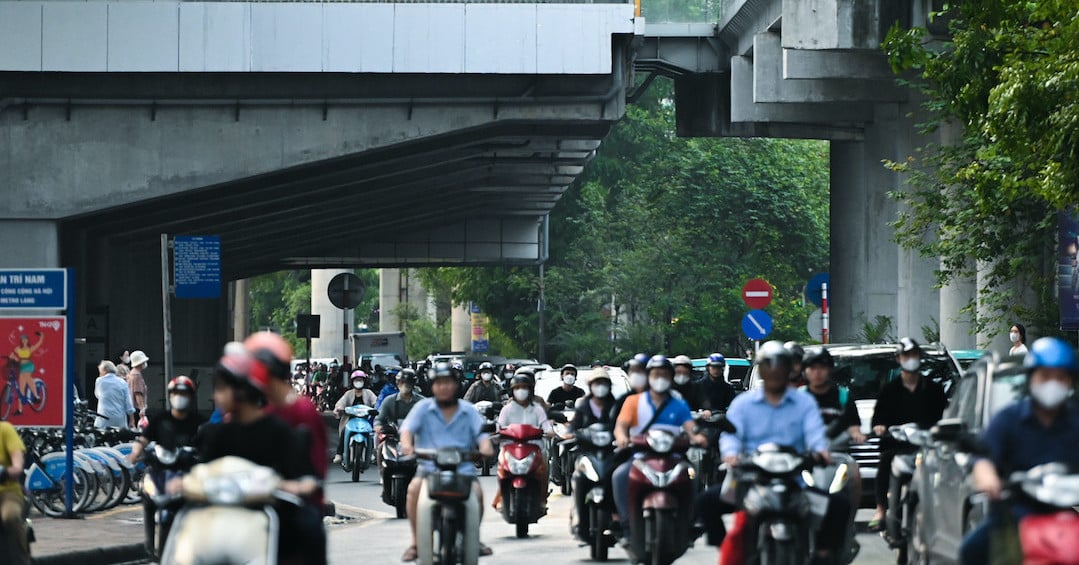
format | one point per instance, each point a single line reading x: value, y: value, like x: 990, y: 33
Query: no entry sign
x: 757, y: 294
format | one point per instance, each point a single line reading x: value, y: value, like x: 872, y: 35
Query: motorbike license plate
x: 818, y: 503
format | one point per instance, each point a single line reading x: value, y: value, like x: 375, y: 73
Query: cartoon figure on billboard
x: 23, y: 359
x: 34, y: 363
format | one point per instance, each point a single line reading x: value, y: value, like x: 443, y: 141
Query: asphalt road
x: 383, y: 539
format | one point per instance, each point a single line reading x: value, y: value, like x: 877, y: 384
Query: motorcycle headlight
x: 588, y: 470
x: 660, y: 479
x: 520, y: 466
x: 602, y: 438
x: 448, y: 458
x: 760, y: 498
x: 660, y: 441
x: 165, y: 456
x: 777, y: 463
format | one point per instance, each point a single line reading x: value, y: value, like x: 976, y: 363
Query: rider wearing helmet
x: 355, y: 396
x: 910, y: 398
x: 797, y: 354
x: 442, y: 421
x: 656, y: 409
x: 598, y: 405
x: 716, y: 391
x: 397, y: 406
x: 568, y: 392
x: 1039, y: 428
x: 485, y: 387
x: 683, y: 382
x: 175, y: 427
x: 523, y: 408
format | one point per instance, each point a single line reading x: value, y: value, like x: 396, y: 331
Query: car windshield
x: 1005, y: 390
x: 866, y: 374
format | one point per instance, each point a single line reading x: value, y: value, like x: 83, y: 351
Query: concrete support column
x: 848, y: 233
x: 957, y: 329
x: 995, y: 337
x: 332, y: 342
x: 241, y: 310
x: 460, y: 329
x: 389, y: 298
x: 32, y: 244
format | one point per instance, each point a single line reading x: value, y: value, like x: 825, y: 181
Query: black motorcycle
x: 593, y: 506
x: 159, y: 510
x: 562, y: 453
x: 902, y: 504
x: 396, y: 471
x: 706, y: 459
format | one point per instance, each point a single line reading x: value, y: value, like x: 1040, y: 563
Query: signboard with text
x: 34, y: 369
x: 197, y: 266
x: 480, y: 343
x: 42, y: 289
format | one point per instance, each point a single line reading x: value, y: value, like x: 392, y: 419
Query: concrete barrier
x: 96, y: 556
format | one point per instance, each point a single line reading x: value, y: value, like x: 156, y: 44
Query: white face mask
x: 1050, y: 394
x: 637, y: 380
x: 660, y: 384
x: 681, y: 379
x: 601, y: 391
x: 569, y: 379
x: 1014, y: 336
x: 522, y: 394
x: 486, y: 376
x: 911, y: 365
x: 357, y: 385
x: 179, y: 402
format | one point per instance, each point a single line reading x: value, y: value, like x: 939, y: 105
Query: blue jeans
x: 975, y: 547
x: 620, y: 490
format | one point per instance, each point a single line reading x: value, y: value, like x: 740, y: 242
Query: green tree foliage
x: 669, y: 230
x: 1008, y: 78
x: 424, y: 335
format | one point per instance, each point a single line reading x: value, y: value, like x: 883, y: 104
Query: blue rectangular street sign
x: 196, y: 266
x: 44, y: 289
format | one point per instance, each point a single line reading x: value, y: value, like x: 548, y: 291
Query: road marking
x: 365, y: 512
x: 114, y: 511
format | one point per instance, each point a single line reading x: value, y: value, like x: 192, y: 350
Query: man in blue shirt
x: 113, y: 399
x: 774, y: 413
x: 1032, y: 431
x: 437, y: 422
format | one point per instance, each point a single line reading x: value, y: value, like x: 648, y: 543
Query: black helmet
x: 406, y: 376
x: 775, y: 353
x: 660, y: 362
x: 568, y: 367
x: 442, y: 370
x: 815, y: 355
x: 797, y: 352
x: 522, y: 379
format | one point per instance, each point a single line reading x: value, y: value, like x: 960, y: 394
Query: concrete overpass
x: 323, y: 135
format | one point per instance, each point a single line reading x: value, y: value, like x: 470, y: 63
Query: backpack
x: 844, y: 395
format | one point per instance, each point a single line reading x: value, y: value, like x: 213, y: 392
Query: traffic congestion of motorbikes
x: 657, y: 454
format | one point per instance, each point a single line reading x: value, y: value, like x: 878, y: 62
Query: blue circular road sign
x: 757, y: 324
x: 814, y: 287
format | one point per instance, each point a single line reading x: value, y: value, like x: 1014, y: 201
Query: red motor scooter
x: 523, y: 497
x: 662, y: 484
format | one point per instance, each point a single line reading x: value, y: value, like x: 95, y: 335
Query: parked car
x: 967, y: 357
x: 944, y: 513
x: 550, y: 379
x: 472, y: 364
x: 865, y: 369
x: 736, y: 372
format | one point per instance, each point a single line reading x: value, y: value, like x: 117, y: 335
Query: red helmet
x: 271, y: 355
x: 181, y: 384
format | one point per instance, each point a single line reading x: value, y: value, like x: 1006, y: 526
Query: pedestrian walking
x: 136, y: 383
x: 1018, y: 337
x: 114, y: 404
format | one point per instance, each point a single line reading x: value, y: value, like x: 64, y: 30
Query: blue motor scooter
x: 359, y: 440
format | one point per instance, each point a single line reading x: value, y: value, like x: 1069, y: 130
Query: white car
x: 546, y: 381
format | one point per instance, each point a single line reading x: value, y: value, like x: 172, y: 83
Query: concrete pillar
x: 30, y: 244
x: 332, y: 342
x: 995, y: 336
x: 956, y: 328
x: 241, y: 310
x: 847, y: 249
x: 389, y: 298
x: 460, y: 329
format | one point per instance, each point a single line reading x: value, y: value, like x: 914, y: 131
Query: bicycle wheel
x: 105, y: 486
x: 37, y: 403
x: 52, y: 500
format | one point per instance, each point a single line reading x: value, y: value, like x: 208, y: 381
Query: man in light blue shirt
x: 437, y: 422
x: 113, y: 399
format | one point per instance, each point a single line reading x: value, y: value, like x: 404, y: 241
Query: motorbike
x: 359, y: 440
x: 662, y: 484
x: 562, y: 453
x: 783, y: 515
x: 489, y: 411
x: 397, y: 470
x: 593, y: 507
x: 839, y: 441
x: 227, y: 515
x: 447, y: 514
x: 523, y: 497
x: 705, y: 459
x: 5, y: 539
x: 902, y: 505
x: 162, y: 464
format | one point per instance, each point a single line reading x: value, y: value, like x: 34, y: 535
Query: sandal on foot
x: 485, y: 550
x: 876, y: 525
x: 410, y: 554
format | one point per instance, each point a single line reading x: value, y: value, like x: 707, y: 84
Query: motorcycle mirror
x: 557, y: 416
x: 725, y: 425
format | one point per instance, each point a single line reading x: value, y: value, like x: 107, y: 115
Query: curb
x: 97, y: 556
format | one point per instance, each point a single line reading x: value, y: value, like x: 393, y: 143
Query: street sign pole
x: 824, y: 312
x: 166, y: 306
x: 69, y: 409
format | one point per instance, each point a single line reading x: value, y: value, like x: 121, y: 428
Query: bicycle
x: 36, y: 399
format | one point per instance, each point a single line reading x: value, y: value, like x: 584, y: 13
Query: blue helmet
x: 716, y: 360
x: 1052, y: 353
x: 638, y: 361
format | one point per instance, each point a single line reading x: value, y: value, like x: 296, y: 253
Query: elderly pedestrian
x: 113, y: 399
x: 136, y: 383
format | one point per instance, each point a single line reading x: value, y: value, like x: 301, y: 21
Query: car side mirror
x: 948, y: 429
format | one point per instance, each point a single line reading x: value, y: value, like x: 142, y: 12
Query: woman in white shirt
x: 1018, y: 335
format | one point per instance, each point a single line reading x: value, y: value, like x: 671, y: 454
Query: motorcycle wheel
x: 567, y: 484
x: 599, y: 541
x: 522, y: 515
x: 485, y: 467
x: 400, y: 498
x: 662, y: 535
x: 914, y: 539
x: 356, y: 463
x: 447, y: 538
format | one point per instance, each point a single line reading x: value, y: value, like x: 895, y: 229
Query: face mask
x: 601, y: 391
x: 660, y: 384
x: 911, y: 365
x: 522, y: 394
x: 486, y: 376
x: 179, y: 402
x: 357, y: 385
x: 569, y: 379
x: 1051, y: 394
x: 1014, y: 336
x: 637, y: 380
x: 681, y: 379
